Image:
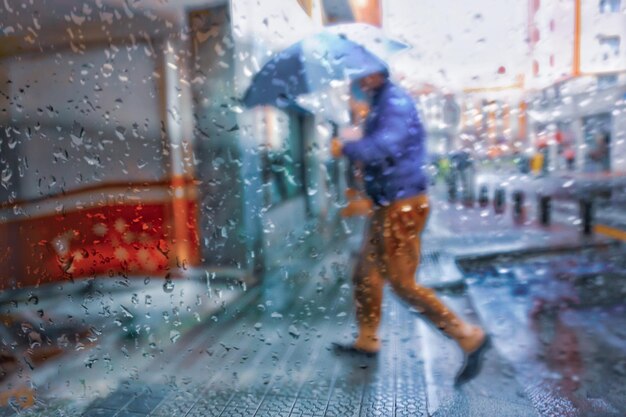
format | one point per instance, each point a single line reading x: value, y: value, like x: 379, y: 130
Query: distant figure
x: 444, y: 167
x: 523, y: 163
x: 392, y: 153
x: 570, y: 158
x: 537, y: 163
x: 463, y: 171
x: 598, y: 156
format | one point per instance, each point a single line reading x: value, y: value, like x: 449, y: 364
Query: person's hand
x: 336, y: 148
x: 349, y: 133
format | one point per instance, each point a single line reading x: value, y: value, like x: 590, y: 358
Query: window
x: 607, y: 81
x: 535, y: 35
x: 544, y: 100
x: 536, y: 4
x: 610, y: 6
x: 557, y: 91
x: 609, y: 46
x: 282, y: 171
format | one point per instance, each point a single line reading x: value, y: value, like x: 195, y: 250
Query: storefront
x: 578, y: 121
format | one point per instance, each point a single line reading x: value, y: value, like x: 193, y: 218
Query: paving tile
x: 99, y: 412
x: 277, y: 403
x: 114, y: 401
x: 126, y: 413
x: 6, y: 412
x: 144, y: 404
x: 238, y: 412
x: 310, y: 406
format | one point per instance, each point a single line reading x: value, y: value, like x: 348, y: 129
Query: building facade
x: 125, y: 152
x: 577, y: 83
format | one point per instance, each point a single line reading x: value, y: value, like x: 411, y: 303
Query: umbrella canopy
x: 373, y: 38
x: 309, y: 66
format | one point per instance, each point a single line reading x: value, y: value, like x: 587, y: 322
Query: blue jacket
x: 393, y: 148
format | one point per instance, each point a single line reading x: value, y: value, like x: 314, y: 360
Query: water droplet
x: 76, y: 140
x: 120, y: 132
x: 107, y: 70
x: 294, y: 332
x: 5, y: 176
x: 79, y: 20
x: 168, y: 286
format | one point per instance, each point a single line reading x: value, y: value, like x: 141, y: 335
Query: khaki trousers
x: 391, y: 251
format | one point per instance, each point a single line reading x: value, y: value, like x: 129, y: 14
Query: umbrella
x: 309, y: 66
x: 329, y: 104
x: 370, y: 37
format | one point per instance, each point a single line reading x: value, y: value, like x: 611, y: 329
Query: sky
x: 459, y: 43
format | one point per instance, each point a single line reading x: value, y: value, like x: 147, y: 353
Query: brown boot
x: 474, y: 348
x: 369, y: 349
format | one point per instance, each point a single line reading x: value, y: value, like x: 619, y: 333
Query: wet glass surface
x: 187, y: 190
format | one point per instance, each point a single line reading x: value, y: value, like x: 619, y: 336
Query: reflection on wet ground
x: 559, y: 318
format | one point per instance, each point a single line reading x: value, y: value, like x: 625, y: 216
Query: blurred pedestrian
x: 570, y: 158
x: 444, y: 167
x: 598, y: 156
x: 463, y: 169
x: 537, y: 163
x: 392, y: 153
x: 523, y: 163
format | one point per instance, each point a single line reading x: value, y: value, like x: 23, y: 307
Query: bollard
x: 468, y: 198
x: 483, y: 196
x: 451, y: 194
x: 544, y: 210
x: 518, y: 206
x: 586, y: 216
x: 499, y: 200
x: 469, y: 192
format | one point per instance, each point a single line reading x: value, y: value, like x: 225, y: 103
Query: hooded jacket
x: 392, y: 150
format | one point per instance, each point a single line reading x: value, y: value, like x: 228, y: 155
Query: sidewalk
x: 269, y: 354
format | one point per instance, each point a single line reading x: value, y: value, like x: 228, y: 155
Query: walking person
x: 570, y: 158
x: 392, y: 154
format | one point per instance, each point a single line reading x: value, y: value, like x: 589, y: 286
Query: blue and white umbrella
x: 309, y: 66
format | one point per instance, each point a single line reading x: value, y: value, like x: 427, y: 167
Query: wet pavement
x: 270, y: 360
x: 556, y: 319
x: 559, y: 318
